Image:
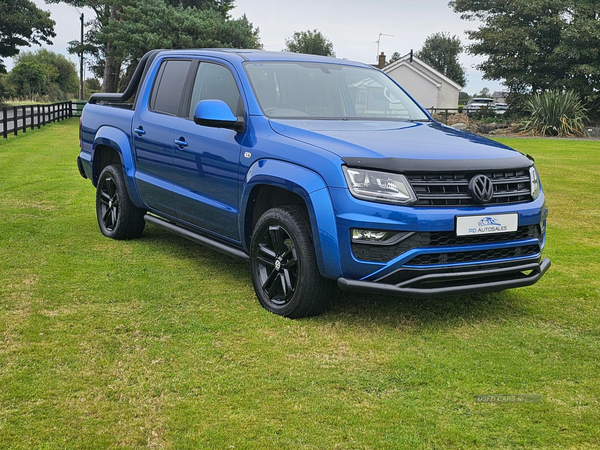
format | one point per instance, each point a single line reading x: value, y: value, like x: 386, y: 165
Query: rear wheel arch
x: 104, y: 156
x: 111, y: 146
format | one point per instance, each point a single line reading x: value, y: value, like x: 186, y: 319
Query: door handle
x: 140, y: 131
x: 181, y: 142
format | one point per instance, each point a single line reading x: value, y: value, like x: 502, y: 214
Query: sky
x: 352, y: 26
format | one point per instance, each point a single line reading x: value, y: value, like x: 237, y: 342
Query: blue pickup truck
x: 318, y: 171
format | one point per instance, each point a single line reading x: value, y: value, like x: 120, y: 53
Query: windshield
x: 329, y: 91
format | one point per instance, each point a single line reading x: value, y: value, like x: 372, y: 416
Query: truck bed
x: 99, y: 115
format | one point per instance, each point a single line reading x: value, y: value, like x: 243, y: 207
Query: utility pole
x: 81, y: 62
x: 379, y: 40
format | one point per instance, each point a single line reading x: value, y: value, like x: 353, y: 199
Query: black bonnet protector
x: 400, y: 165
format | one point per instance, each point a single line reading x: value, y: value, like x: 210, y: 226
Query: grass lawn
x: 160, y: 343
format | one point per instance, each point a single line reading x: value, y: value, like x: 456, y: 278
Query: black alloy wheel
x: 118, y: 217
x: 109, y: 202
x: 277, y: 264
x: 283, y: 263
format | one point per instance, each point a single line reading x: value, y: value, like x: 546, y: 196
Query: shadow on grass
x: 351, y: 307
x: 358, y: 308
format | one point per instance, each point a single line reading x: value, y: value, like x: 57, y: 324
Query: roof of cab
x: 262, y: 55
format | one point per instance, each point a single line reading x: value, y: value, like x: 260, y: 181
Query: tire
x: 283, y: 263
x: 118, y: 217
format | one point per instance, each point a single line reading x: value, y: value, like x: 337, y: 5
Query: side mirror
x: 217, y: 114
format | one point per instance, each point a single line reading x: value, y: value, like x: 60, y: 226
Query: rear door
x: 154, y: 127
x: 206, y: 165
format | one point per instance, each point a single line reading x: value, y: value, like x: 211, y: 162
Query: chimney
x: 381, y: 63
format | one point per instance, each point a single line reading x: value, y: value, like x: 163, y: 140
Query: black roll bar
x: 131, y: 87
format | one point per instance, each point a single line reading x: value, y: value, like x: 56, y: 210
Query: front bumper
x: 437, y: 284
x: 431, y: 260
x: 352, y: 213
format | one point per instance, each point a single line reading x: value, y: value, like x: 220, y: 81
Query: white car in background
x: 476, y: 104
x: 500, y: 108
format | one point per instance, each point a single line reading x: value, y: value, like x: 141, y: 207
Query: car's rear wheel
x: 284, y: 265
x: 118, y: 217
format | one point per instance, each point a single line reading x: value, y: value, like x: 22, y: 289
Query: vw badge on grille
x: 481, y: 188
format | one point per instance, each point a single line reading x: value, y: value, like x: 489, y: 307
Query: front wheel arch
x: 298, y: 183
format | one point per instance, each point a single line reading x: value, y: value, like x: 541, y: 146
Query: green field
x: 159, y: 343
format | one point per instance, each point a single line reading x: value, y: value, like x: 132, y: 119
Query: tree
x: 6, y: 89
x: 22, y: 24
x: 106, y: 65
x: 111, y: 48
x: 311, y: 42
x: 65, y: 78
x: 221, y: 6
x: 484, y: 93
x: 395, y: 57
x: 537, y: 45
x: 463, y: 97
x: 44, y: 73
x: 143, y: 26
x: 91, y: 86
x: 579, y: 51
x: 29, y: 79
x: 441, y: 51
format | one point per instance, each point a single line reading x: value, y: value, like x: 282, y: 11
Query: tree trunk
x: 112, y: 66
x: 112, y: 69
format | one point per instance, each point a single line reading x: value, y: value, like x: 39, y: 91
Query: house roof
x: 421, y: 67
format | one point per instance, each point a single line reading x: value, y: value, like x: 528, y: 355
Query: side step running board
x: 198, y: 238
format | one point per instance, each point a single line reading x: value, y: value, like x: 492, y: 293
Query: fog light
x: 370, y: 235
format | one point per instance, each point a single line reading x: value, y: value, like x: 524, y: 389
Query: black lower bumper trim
x: 80, y: 167
x: 470, y: 278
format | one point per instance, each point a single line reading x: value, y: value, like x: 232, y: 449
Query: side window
x: 215, y: 82
x: 166, y: 94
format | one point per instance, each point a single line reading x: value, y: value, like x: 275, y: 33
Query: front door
x: 206, y: 159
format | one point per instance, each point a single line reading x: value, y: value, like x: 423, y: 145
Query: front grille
x: 474, y: 256
x: 452, y: 189
x: 385, y: 253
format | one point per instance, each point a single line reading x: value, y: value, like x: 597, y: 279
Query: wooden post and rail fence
x: 18, y: 119
x: 443, y: 113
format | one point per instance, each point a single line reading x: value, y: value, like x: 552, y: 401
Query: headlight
x: 379, y: 186
x: 535, y: 182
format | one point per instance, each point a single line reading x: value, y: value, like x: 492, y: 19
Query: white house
x: 500, y: 96
x: 425, y: 84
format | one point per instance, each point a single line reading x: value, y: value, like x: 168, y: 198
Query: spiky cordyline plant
x: 555, y: 113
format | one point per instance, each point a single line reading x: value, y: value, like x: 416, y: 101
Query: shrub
x: 555, y: 113
x: 6, y: 90
x: 29, y: 79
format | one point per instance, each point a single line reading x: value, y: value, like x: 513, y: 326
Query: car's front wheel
x: 284, y: 265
